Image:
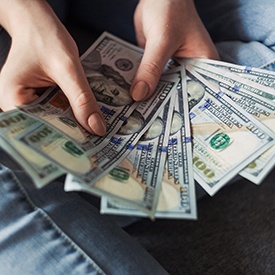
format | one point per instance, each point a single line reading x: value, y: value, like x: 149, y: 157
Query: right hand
x: 44, y: 54
x: 165, y: 29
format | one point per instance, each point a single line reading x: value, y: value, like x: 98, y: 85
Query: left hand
x: 167, y: 28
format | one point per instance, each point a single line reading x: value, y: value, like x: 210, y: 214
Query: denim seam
x: 268, y: 64
x: 54, y: 225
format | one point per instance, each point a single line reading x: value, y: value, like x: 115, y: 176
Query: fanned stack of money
x: 206, y: 121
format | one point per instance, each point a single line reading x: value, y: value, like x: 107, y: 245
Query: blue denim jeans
x: 49, y: 231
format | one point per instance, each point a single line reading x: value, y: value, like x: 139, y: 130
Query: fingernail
x: 97, y: 124
x: 140, y: 91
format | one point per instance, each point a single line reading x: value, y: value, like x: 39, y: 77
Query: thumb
x: 150, y: 69
x: 13, y: 94
x: 82, y: 100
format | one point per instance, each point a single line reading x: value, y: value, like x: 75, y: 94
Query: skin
x: 43, y: 53
x: 168, y: 28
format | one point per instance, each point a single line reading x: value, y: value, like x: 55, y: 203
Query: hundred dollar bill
x: 88, y: 166
x: 258, y: 169
x: 225, y: 137
x: 136, y: 181
x: 53, y: 108
x: 261, y: 108
x: 177, y: 197
x: 110, y: 65
x: 258, y: 75
x: 236, y: 80
x: 40, y: 169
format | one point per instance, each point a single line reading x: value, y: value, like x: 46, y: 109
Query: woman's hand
x: 43, y: 54
x: 167, y: 28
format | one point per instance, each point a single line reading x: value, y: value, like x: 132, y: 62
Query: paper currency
x: 260, y: 107
x: 225, y: 138
x: 236, y: 80
x: 88, y: 166
x: 177, y: 196
x: 136, y: 181
x: 110, y: 65
x: 53, y: 108
x: 41, y: 170
x: 261, y: 76
x: 141, y: 175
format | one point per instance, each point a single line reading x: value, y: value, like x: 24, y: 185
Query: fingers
x: 20, y: 97
x: 83, y: 102
x: 18, y: 87
x: 13, y: 93
x: 19, y: 79
x: 51, y: 59
x: 172, y: 28
x: 150, y: 69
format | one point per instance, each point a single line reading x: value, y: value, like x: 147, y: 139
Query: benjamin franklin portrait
x: 108, y: 85
x: 133, y: 124
x: 195, y: 92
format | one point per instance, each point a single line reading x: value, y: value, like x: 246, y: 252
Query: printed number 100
x: 199, y: 164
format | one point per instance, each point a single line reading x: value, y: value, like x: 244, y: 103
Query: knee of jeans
x: 262, y: 23
x: 240, y: 20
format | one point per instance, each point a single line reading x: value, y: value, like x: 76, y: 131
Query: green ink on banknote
x: 119, y: 174
x: 70, y: 147
x: 220, y: 141
x: 252, y: 165
x: 68, y: 121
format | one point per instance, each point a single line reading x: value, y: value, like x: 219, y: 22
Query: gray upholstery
x: 234, y: 233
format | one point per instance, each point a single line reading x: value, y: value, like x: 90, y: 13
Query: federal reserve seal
x: 72, y: 149
x: 119, y: 174
x: 220, y: 141
x: 124, y: 64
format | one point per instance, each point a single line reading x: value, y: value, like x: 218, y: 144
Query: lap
x: 243, y: 31
x: 61, y: 232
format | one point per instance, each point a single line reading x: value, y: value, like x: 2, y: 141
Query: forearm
x: 17, y: 15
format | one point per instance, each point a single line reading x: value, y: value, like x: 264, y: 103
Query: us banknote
x: 260, y: 107
x: 40, y: 169
x: 177, y: 196
x: 88, y: 167
x: 261, y: 76
x: 110, y: 65
x: 236, y: 80
x: 225, y: 138
x: 136, y: 181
